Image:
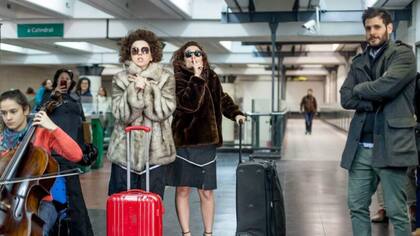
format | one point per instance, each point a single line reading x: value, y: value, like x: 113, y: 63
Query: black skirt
x: 194, y: 167
x: 118, y: 180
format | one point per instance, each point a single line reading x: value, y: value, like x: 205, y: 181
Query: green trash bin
x: 98, y: 141
x: 85, y: 169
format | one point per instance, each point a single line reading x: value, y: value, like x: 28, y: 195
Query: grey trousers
x: 411, y: 190
x: 362, y: 184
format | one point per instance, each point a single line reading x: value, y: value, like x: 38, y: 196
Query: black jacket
x: 69, y: 116
x: 201, y: 103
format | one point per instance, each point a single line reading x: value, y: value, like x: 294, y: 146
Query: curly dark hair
x: 58, y: 73
x: 178, y: 57
x: 146, y: 35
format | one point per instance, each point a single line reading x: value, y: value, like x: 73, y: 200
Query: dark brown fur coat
x: 201, y: 103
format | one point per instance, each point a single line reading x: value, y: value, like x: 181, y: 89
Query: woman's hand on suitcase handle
x: 240, y: 119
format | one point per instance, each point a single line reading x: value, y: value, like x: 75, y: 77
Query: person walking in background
x: 197, y: 128
x: 142, y: 94
x: 45, y: 86
x: 102, y: 101
x: 309, y: 106
x: 381, y: 141
x: 102, y: 105
x: 30, y: 96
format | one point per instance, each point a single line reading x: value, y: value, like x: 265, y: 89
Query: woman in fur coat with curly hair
x: 142, y: 94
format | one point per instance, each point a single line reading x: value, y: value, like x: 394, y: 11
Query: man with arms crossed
x: 381, y: 143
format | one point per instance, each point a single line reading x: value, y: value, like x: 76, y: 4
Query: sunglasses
x: 189, y: 54
x: 137, y: 51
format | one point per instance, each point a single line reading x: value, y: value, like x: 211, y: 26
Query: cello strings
x: 64, y: 173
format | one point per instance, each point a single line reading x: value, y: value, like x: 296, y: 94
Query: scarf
x: 11, y: 138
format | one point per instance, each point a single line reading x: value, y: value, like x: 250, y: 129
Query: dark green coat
x: 392, y: 86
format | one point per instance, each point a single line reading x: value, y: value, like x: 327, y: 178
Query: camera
x: 63, y: 83
x: 310, y: 25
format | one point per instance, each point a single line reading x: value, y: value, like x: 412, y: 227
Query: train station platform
x: 314, y: 189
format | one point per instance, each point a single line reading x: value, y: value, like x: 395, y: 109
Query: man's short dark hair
x: 372, y: 12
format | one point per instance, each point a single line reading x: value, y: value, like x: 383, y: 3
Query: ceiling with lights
x: 75, y: 32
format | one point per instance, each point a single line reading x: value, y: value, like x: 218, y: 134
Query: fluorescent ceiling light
x: 85, y: 46
x: 322, y: 47
x: 300, y: 78
x: 335, y: 46
x: 110, y: 65
x: 370, y: 3
x: 169, y: 47
x: 237, y: 47
x: 256, y: 65
x: 183, y: 5
x: 226, y: 44
x: 312, y: 66
x: 18, y: 49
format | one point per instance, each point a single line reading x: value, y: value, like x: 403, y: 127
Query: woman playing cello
x: 14, y: 109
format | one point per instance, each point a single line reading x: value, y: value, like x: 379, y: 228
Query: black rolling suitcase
x: 259, y: 198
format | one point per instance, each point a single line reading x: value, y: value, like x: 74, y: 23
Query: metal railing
x: 277, y: 127
x: 337, y: 117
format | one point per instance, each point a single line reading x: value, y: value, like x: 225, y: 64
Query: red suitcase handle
x: 128, y: 130
x: 137, y: 127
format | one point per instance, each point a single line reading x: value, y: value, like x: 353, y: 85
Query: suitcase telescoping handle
x: 128, y: 131
x: 241, y: 124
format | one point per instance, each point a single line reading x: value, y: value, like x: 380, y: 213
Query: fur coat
x: 153, y: 107
x: 201, y: 103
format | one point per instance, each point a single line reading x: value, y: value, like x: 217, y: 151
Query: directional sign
x: 40, y: 30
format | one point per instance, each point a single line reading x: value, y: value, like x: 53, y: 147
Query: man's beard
x: 384, y: 38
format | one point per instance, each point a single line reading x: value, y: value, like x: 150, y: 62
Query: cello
x: 19, y: 201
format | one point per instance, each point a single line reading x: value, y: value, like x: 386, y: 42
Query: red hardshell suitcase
x: 135, y: 212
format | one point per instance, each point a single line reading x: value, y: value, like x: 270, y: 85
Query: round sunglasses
x: 189, y: 54
x: 137, y: 51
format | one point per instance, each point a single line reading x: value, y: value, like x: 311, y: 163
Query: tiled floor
x: 314, y: 188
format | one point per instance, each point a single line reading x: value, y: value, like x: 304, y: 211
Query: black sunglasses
x: 189, y: 54
x: 137, y: 51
